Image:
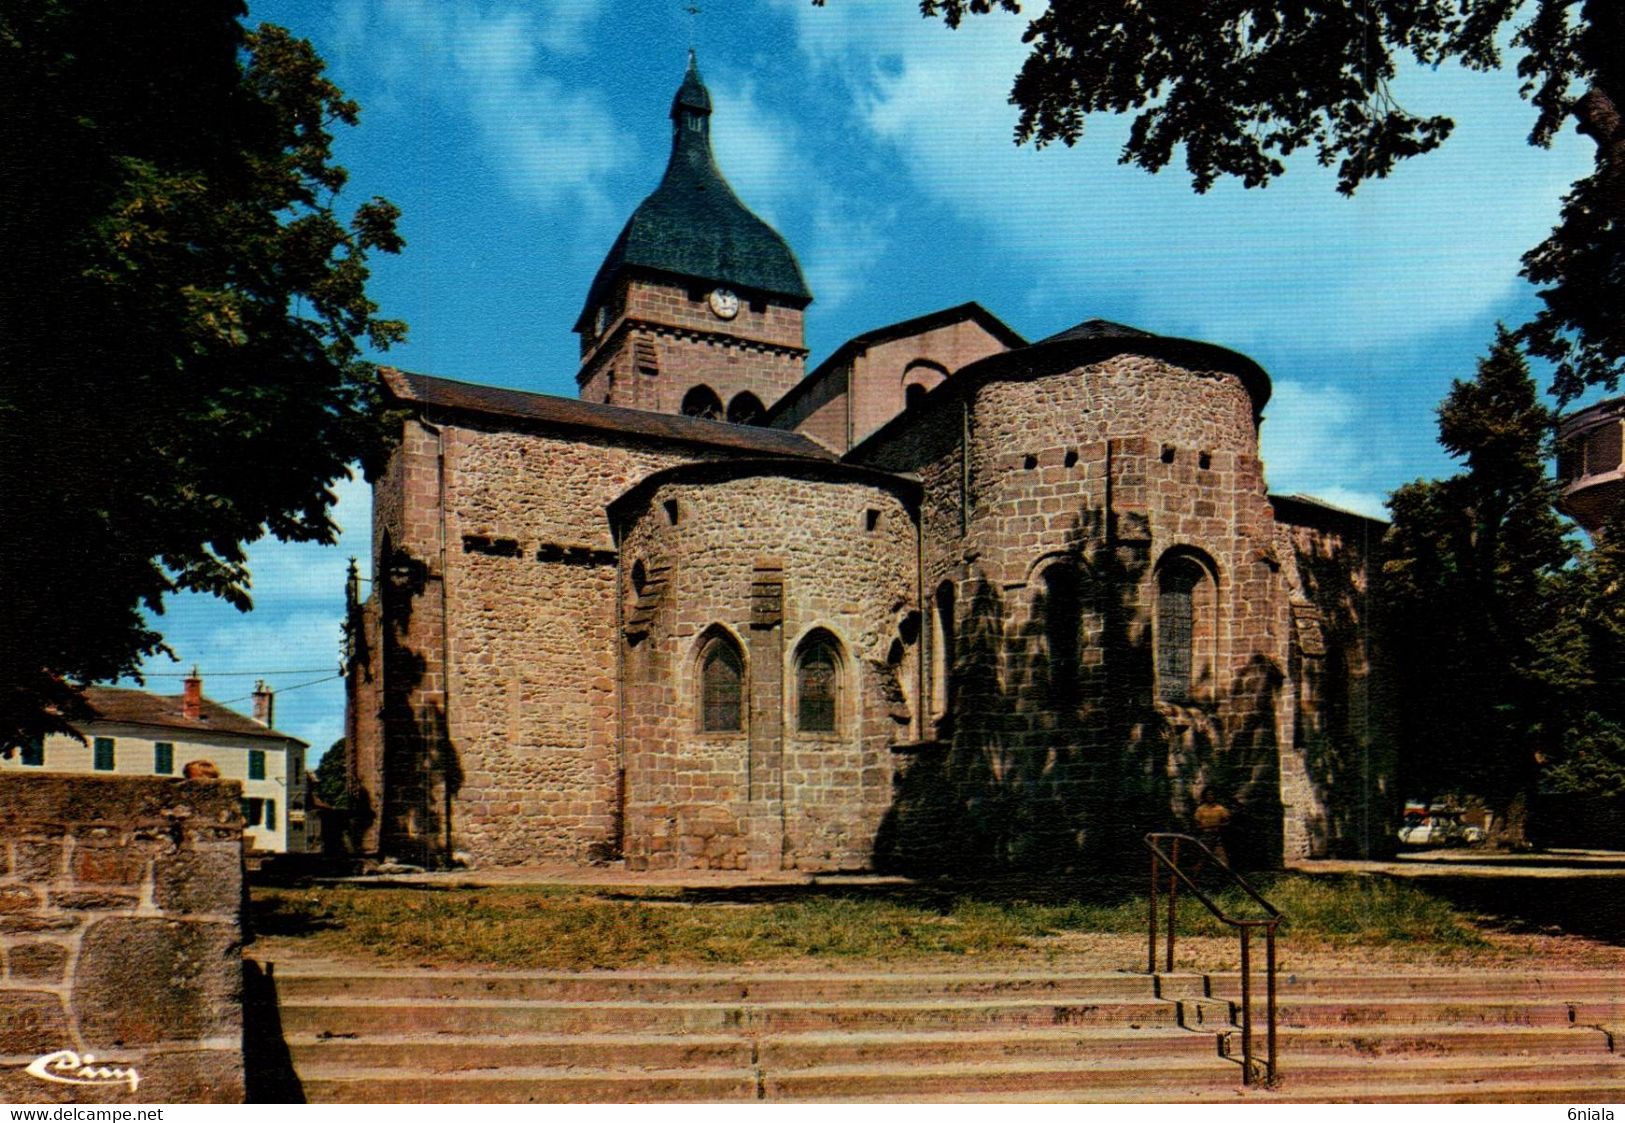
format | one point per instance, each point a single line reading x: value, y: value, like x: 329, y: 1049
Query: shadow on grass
x: 1592, y: 907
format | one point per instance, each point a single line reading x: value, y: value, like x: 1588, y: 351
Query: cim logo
x: 67, y: 1067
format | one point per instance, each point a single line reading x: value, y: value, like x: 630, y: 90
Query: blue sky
x: 518, y: 136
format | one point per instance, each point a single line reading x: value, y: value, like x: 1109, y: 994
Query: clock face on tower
x: 724, y: 302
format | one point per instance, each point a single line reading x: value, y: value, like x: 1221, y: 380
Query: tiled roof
x: 549, y: 410
x: 1088, y: 342
x: 693, y: 225
x: 137, y: 707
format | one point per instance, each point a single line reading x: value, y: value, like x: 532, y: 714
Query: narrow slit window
x: 1175, y: 632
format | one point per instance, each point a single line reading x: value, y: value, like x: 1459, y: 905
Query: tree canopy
x: 183, y: 311
x: 1241, y: 86
x: 1472, y: 580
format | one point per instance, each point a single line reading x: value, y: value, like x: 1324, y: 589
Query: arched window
x: 942, y: 652
x: 702, y: 401
x: 722, y: 679
x: 746, y: 409
x: 919, y: 378
x: 1185, y: 596
x: 818, y: 684
x: 1063, y: 619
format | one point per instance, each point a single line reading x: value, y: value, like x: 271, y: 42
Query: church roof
x: 918, y: 325
x: 1088, y: 342
x: 693, y: 225
x: 521, y: 408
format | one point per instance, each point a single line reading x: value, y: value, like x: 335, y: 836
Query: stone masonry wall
x: 768, y: 796
x: 1075, y: 486
x: 877, y: 374
x: 530, y: 578
x: 120, y: 936
x: 1338, y: 764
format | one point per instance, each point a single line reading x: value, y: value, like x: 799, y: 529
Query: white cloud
x: 1435, y: 245
x: 552, y: 143
x: 765, y: 157
x: 1316, y: 440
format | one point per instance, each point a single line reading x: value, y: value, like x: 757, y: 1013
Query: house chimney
x: 264, y: 704
x: 192, y: 697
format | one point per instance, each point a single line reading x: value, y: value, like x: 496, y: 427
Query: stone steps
x: 658, y: 1036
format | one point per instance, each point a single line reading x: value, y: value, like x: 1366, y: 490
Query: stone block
x: 89, y: 900
x: 17, y: 898
x: 146, y: 979
x: 208, y: 879
x: 39, y: 963
x: 99, y: 864
x: 36, y: 859
x: 32, y: 1022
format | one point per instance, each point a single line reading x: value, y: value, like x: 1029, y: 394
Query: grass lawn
x: 575, y: 927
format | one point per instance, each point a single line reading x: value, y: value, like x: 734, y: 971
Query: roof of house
x: 124, y: 706
x: 693, y: 225
x: 846, y: 352
x: 552, y: 411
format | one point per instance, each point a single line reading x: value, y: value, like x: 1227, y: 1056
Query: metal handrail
x: 1244, y: 929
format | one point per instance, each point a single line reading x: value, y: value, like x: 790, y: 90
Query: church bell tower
x: 698, y: 307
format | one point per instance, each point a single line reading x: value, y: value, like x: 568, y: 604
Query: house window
x: 253, y: 811
x: 256, y: 764
x: 722, y: 674
x: 1178, y: 589
x: 102, y: 754
x: 33, y: 754
x: 817, y: 685
x: 163, y: 758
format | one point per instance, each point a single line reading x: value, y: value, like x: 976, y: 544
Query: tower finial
x: 693, y: 11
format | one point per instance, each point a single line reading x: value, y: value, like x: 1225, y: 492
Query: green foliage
x: 1474, y: 577
x: 184, y: 309
x: 1243, y: 86
x: 332, y: 777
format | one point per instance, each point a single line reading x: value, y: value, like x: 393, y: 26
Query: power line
x: 233, y: 674
x: 286, y: 689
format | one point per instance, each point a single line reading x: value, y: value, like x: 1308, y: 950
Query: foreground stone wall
x: 121, y: 937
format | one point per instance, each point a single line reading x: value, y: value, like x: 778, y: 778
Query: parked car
x: 1437, y: 826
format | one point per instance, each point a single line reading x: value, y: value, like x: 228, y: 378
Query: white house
x: 140, y: 734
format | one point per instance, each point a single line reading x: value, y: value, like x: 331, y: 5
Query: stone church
x: 952, y: 600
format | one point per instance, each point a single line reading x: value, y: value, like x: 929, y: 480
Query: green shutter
x: 163, y: 758
x: 103, y: 754
x: 256, y: 764
x: 34, y: 752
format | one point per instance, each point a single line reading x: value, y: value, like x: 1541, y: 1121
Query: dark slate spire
x: 692, y: 99
x: 693, y: 226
